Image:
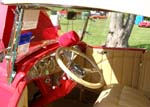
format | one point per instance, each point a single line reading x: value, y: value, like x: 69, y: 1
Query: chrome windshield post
x: 11, y: 54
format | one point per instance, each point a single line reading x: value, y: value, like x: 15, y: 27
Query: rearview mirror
x: 71, y: 15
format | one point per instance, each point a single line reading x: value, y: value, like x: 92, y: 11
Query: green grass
x: 140, y: 37
x: 97, y: 32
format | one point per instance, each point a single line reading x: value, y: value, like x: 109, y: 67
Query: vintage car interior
x: 41, y: 68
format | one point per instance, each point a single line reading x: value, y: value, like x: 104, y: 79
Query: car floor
x: 69, y: 103
x: 75, y: 100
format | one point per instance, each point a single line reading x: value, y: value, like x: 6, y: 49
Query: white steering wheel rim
x: 72, y: 75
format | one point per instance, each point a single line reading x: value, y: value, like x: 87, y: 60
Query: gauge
x: 46, y: 66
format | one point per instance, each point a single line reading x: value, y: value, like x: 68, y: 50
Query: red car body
x: 11, y: 92
x: 144, y: 24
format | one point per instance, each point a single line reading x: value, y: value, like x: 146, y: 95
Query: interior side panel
x: 145, y: 73
x: 23, y: 102
x: 118, y: 65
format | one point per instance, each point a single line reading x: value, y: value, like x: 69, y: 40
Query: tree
x: 120, y: 29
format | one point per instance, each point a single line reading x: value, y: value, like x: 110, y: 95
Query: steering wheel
x: 75, y: 71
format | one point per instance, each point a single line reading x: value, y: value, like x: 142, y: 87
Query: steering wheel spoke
x: 90, y: 71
